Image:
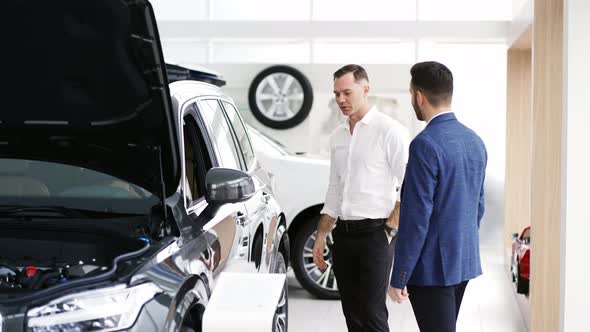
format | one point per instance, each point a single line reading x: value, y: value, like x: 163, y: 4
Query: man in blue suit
x: 442, y: 203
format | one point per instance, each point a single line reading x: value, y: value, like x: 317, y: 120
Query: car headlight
x: 106, y: 309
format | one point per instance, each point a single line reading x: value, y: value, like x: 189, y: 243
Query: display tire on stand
x: 280, y: 97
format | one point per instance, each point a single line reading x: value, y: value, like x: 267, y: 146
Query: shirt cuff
x: 329, y: 212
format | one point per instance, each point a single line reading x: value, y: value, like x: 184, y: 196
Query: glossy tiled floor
x: 490, y: 303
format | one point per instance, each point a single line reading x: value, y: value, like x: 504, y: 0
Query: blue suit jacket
x: 442, y: 204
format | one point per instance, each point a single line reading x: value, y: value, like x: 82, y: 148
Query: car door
x: 264, y: 214
x: 237, y: 217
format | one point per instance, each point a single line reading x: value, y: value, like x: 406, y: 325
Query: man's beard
x: 417, y: 110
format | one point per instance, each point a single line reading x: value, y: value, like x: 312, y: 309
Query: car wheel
x: 280, y: 97
x: 188, y: 324
x: 322, y: 284
x: 522, y: 284
x: 281, y: 318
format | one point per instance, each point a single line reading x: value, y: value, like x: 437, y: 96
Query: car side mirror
x: 514, y: 236
x: 226, y: 185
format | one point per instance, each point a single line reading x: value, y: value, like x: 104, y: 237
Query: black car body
x: 183, y: 73
x: 117, y: 206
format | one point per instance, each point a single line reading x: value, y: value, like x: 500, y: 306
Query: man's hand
x: 393, y: 219
x: 398, y: 295
x: 318, y: 251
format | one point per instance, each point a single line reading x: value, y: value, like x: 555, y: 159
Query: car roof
x: 184, y: 90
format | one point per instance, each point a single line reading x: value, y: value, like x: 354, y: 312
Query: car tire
x: 280, y: 97
x: 311, y: 278
x: 522, y: 284
x: 281, y: 318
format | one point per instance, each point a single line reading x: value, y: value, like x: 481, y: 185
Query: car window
x: 265, y: 145
x: 227, y: 151
x: 526, y: 236
x: 196, y: 160
x: 241, y: 134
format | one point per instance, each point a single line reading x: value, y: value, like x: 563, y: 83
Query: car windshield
x: 38, y: 183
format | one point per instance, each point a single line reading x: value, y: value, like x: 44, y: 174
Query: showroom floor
x: 489, y: 306
x: 490, y: 303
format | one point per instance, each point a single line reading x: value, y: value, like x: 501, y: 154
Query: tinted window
x: 221, y: 134
x: 194, y: 164
x: 241, y: 133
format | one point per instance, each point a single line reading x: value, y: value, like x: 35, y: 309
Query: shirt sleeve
x: 416, y: 209
x: 397, y: 155
x: 331, y: 207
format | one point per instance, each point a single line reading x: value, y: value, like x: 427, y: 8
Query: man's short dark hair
x: 435, y: 80
x: 357, y: 71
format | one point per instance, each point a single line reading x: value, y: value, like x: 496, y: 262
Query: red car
x: 521, y: 259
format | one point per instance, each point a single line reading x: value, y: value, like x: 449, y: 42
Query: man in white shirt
x: 368, y: 159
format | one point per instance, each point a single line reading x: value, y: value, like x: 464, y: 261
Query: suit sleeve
x: 482, y: 203
x: 416, y: 209
x: 397, y: 155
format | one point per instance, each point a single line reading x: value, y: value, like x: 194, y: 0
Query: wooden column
x: 547, y: 158
x: 519, y: 123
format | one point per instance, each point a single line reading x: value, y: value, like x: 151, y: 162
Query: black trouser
x: 437, y: 307
x: 362, y: 266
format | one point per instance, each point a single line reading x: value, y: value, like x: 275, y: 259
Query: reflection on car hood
x: 88, y: 87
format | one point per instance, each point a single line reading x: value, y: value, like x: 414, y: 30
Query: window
x: 196, y: 160
x: 240, y: 132
x: 465, y: 10
x: 221, y: 134
x: 260, y: 51
x: 364, y: 51
x: 369, y: 10
x: 180, y: 9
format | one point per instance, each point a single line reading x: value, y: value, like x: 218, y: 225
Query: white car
x: 300, y: 183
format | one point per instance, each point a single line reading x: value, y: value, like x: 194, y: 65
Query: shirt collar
x: 439, y: 114
x: 370, y: 114
x: 365, y: 120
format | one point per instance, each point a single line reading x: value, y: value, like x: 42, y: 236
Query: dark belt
x: 358, y: 226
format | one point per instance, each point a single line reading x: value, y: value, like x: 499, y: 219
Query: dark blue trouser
x: 437, y: 307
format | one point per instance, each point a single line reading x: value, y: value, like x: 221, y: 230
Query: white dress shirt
x: 367, y: 167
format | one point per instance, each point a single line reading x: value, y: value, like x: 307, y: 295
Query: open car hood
x: 87, y: 86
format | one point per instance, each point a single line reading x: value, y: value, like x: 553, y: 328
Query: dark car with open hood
x: 119, y: 207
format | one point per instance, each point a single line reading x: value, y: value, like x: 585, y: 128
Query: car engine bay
x: 34, y: 277
x: 35, y: 259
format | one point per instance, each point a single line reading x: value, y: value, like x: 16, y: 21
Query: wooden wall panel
x: 547, y: 162
x: 517, y: 185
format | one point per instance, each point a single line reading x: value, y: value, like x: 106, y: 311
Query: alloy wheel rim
x: 279, y: 96
x: 322, y: 279
x: 281, y: 312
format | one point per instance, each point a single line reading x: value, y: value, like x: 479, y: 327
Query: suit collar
x: 442, y: 118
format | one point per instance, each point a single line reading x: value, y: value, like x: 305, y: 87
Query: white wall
x: 576, y: 215
x: 479, y: 99
x: 388, y: 82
